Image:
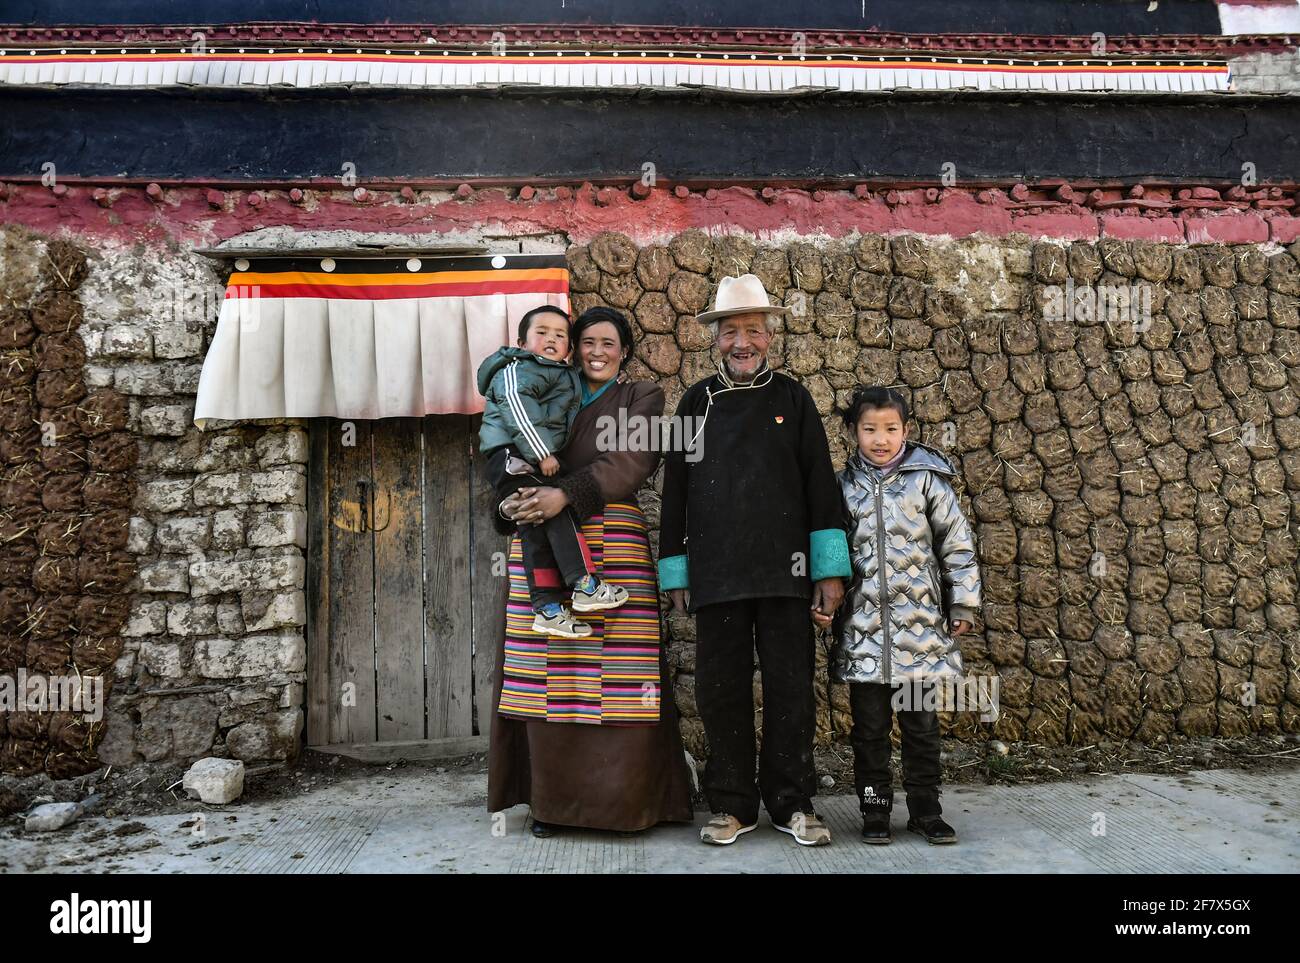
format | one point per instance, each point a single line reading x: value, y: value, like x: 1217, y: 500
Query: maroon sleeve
x: 616, y: 475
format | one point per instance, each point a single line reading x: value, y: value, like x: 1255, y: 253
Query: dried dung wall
x: 1124, y: 415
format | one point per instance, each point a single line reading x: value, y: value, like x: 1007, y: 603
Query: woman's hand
x: 960, y: 627
x: 532, y: 506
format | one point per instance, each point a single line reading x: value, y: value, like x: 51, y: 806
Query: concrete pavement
x: 394, y: 821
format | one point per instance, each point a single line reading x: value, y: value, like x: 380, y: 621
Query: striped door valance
x: 367, y: 337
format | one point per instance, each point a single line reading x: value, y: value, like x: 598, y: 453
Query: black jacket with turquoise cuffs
x: 754, y: 510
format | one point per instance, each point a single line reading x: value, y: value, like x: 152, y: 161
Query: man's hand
x: 550, y: 466
x: 681, y: 598
x: 827, y: 596
x: 961, y: 627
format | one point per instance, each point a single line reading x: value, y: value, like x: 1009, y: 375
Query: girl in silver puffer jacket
x: 916, y: 588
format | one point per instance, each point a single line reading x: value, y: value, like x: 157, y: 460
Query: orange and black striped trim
x: 370, y: 279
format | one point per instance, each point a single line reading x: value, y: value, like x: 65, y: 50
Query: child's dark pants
x: 555, y: 553
x: 724, y: 691
x: 872, y: 721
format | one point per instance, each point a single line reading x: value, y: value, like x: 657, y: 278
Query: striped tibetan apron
x: 612, y: 676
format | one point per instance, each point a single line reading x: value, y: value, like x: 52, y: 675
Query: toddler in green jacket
x: 532, y: 394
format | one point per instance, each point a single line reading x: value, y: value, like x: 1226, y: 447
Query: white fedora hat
x: 742, y: 295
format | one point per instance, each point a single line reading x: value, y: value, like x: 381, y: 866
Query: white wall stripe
x: 1251, y: 19
x: 760, y: 78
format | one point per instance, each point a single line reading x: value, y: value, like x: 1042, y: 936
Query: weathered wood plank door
x: 406, y: 596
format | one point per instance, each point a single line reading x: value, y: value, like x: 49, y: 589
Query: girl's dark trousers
x: 872, y: 722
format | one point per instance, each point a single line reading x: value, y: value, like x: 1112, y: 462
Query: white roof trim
x: 752, y: 73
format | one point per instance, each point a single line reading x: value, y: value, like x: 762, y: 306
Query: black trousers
x: 724, y: 691
x: 872, y: 722
x: 555, y: 553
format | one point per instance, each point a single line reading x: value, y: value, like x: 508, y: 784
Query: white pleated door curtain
x: 367, y: 337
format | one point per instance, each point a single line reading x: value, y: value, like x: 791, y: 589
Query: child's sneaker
x: 593, y: 595
x: 555, y: 619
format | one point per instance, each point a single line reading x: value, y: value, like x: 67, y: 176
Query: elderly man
x: 751, y: 541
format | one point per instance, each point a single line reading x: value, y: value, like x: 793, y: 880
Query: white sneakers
x: 806, y: 828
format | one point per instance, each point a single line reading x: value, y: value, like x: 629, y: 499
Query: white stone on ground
x: 216, y: 781
x: 51, y: 816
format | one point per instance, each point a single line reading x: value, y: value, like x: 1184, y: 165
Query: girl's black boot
x: 923, y: 817
x: 875, y: 817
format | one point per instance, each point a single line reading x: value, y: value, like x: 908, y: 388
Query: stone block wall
x: 1135, y: 487
x: 1267, y: 73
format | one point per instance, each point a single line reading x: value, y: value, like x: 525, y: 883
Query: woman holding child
x: 586, y: 729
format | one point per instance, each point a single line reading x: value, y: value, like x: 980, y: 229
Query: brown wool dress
x: 610, y: 777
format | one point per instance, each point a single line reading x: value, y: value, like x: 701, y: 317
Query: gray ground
x: 410, y: 819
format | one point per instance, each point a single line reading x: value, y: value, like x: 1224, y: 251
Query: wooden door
x: 406, y: 594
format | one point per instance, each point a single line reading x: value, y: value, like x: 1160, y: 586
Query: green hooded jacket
x: 531, y: 403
